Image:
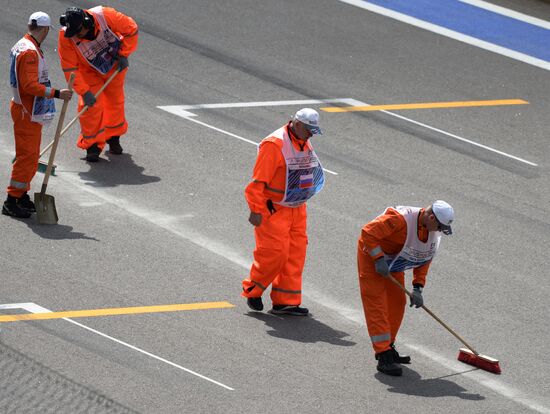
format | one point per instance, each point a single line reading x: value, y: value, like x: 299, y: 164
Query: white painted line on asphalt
x: 183, y: 110
x: 509, y: 13
x: 223, y: 131
x: 34, y: 308
x: 450, y: 33
x: 220, y: 249
x: 485, y: 147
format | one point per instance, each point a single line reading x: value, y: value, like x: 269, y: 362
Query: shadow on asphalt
x: 411, y: 383
x: 116, y: 170
x: 54, y: 231
x: 301, y: 329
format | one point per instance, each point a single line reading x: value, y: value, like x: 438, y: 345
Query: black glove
x: 416, y: 298
x: 122, y: 62
x: 381, y: 267
x: 89, y: 98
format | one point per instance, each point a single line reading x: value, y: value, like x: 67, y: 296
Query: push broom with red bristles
x: 467, y: 355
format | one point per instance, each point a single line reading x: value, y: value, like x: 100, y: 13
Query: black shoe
x: 114, y: 145
x: 387, y: 364
x: 92, y: 153
x: 26, y: 203
x: 255, y: 304
x: 289, y: 310
x: 12, y: 208
x: 402, y: 359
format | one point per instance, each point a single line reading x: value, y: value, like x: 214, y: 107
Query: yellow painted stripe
x: 431, y: 105
x: 115, y: 311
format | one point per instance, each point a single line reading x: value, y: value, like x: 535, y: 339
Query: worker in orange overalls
x: 31, y: 107
x: 287, y: 173
x: 93, y: 44
x: 401, y: 238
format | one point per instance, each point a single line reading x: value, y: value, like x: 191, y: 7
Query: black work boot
x: 92, y: 153
x: 114, y: 145
x: 12, y: 208
x: 255, y: 303
x: 387, y: 364
x: 26, y: 203
x: 289, y: 310
x: 402, y: 359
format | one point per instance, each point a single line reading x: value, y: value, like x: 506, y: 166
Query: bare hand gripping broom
x: 467, y: 355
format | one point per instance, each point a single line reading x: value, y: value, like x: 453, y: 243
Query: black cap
x: 73, y: 20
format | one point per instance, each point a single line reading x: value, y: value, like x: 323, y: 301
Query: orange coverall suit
x: 27, y: 133
x: 383, y: 301
x: 106, y: 117
x: 281, y: 239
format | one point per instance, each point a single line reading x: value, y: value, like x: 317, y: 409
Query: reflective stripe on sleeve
x: 48, y: 91
x: 380, y: 338
x: 70, y: 69
x: 376, y: 251
x: 274, y: 190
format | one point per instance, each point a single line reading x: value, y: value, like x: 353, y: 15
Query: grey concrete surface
x: 166, y: 222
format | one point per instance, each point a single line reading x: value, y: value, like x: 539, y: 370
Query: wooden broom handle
x: 56, y: 138
x: 433, y: 315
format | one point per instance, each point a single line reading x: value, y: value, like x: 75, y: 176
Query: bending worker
x: 287, y: 173
x: 93, y: 44
x: 399, y: 239
x: 31, y: 107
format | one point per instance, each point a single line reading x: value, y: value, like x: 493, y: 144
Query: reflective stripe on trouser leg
x: 287, y: 287
x: 27, y: 151
x: 270, y: 254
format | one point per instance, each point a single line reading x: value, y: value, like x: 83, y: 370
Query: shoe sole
x: 282, y: 312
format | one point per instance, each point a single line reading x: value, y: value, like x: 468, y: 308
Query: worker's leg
x: 114, y: 119
x: 375, y: 302
x: 27, y: 151
x: 91, y: 122
x: 287, y: 287
x: 270, y: 255
x: 396, y: 304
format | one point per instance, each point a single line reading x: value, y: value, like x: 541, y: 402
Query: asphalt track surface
x: 166, y: 222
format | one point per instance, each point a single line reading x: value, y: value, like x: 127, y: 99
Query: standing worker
x: 399, y: 239
x: 31, y: 107
x: 94, y: 43
x: 287, y: 173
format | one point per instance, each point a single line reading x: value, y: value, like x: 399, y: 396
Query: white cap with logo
x: 444, y: 214
x: 41, y: 19
x: 310, y: 118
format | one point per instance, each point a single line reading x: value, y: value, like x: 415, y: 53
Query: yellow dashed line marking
x: 430, y: 105
x: 116, y: 311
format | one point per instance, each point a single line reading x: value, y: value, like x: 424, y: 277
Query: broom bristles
x: 483, y: 362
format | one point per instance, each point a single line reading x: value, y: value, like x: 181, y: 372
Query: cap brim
x: 315, y: 130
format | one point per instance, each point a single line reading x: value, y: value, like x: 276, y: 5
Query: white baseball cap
x: 445, y: 214
x: 42, y: 19
x: 310, y: 118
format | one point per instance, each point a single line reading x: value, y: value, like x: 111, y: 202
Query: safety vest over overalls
x: 100, y: 53
x: 415, y: 252
x: 43, y: 109
x: 304, y: 173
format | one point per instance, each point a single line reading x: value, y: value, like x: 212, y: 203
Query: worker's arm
x: 126, y: 27
x: 27, y: 75
x: 267, y: 162
x: 382, y: 227
x: 70, y: 63
x: 419, y: 274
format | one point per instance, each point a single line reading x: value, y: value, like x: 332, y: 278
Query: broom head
x: 480, y: 361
